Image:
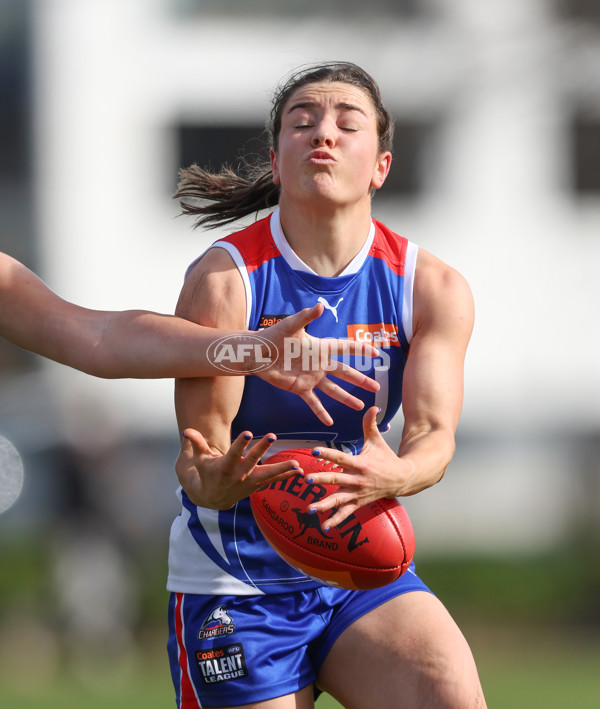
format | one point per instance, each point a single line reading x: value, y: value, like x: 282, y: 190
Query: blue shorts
x: 231, y: 650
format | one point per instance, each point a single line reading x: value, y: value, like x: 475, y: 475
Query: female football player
x: 245, y: 627
x: 141, y: 344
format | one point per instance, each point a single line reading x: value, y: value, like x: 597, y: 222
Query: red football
x: 371, y: 548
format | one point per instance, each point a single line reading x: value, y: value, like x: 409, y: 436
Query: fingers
x: 352, y: 347
x: 352, y: 376
x: 342, y: 502
x: 298, y: 321
x: 184, y: 467
x: 193, y: 447
x: 336, y: 392
x: 263, y: 474
x: 304, y: 317
x: 340, y: 513
x: 317, y: 407
x: 236, y: 460
x: 259, y: 449
x: 369, y: 423
x: 273, y: 472
x: 237, y: 448
x: 254, y: 455
x: 336, y: 506
x: 193, y: 438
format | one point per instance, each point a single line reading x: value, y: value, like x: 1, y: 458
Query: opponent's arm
x: 110, y: 344
x: 432, y: 401
x: 212, y: 472
x: 142, y: 344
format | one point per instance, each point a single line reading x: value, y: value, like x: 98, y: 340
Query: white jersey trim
x: 241, y: 267
x: 297, y: 264
x: 410, y: 266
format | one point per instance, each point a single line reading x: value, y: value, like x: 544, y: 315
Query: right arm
x: 212, y: 472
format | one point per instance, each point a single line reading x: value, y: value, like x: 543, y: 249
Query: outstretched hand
x: 218, y: 480
x: 374, y: 473
x: 305, y: 362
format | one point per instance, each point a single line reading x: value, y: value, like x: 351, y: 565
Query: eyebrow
x: 343, y: 105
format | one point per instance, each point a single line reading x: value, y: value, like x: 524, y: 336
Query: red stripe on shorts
x: 189, y: 700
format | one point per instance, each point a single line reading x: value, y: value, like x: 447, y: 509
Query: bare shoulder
x: 213, y: 292
x: 442, y: 296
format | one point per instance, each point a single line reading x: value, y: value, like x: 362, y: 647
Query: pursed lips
x: 320, y: 157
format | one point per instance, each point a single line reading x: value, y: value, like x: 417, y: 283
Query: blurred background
x: 496, y: 170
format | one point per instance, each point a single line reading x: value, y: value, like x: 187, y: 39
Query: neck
x: 325, y: 241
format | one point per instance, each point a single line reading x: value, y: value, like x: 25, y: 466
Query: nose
x: 321, y: 138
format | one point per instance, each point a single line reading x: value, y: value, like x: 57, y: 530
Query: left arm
x: 434, y: 376
x: 432, y: 401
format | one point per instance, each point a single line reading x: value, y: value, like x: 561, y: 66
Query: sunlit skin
x: 327, y: 147
x: 327, y: 163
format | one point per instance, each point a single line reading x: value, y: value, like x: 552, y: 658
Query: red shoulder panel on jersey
x: 255, y: 243
x: 390, y: 247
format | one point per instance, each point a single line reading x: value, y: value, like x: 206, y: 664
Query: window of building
x: 579, y: 10
x: 585, y: 143
x: 212, y: 146
x: 307, y: 9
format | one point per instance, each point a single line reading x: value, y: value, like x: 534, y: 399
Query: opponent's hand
x: 375, y: 473
x: 218, y: 480
x: 289, y: 374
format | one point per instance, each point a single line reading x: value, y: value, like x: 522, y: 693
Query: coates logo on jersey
x: 217, y: 622
x: 267, y: 320
x: 377, y: 334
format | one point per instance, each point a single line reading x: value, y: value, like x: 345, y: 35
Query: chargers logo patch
x: 217, y: 622
x: 378, y: 334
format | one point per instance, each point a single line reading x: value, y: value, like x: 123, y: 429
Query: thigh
x: 304, y: 699
x: 407, y: 653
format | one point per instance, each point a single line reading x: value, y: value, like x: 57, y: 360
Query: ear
x: 382, y: 167
x: 274, y: 166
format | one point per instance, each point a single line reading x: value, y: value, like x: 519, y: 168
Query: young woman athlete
x: 246, y: 629
x: 140, y: 344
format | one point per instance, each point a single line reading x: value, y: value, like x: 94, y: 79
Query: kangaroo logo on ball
x: 306, y: 522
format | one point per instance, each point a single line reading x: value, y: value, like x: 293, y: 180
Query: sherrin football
x: 371, y: 548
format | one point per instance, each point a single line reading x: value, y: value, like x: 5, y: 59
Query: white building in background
x: 492, y: 100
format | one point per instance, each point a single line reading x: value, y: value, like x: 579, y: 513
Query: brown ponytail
x: 224, y: 197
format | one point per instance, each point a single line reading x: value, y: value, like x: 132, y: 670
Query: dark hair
x: 224, y: 197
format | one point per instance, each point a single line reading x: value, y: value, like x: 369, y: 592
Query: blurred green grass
x: 537, y: 668
x: 533, y: 624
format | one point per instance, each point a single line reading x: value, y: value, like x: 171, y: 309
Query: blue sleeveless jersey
x: 223, y: 551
